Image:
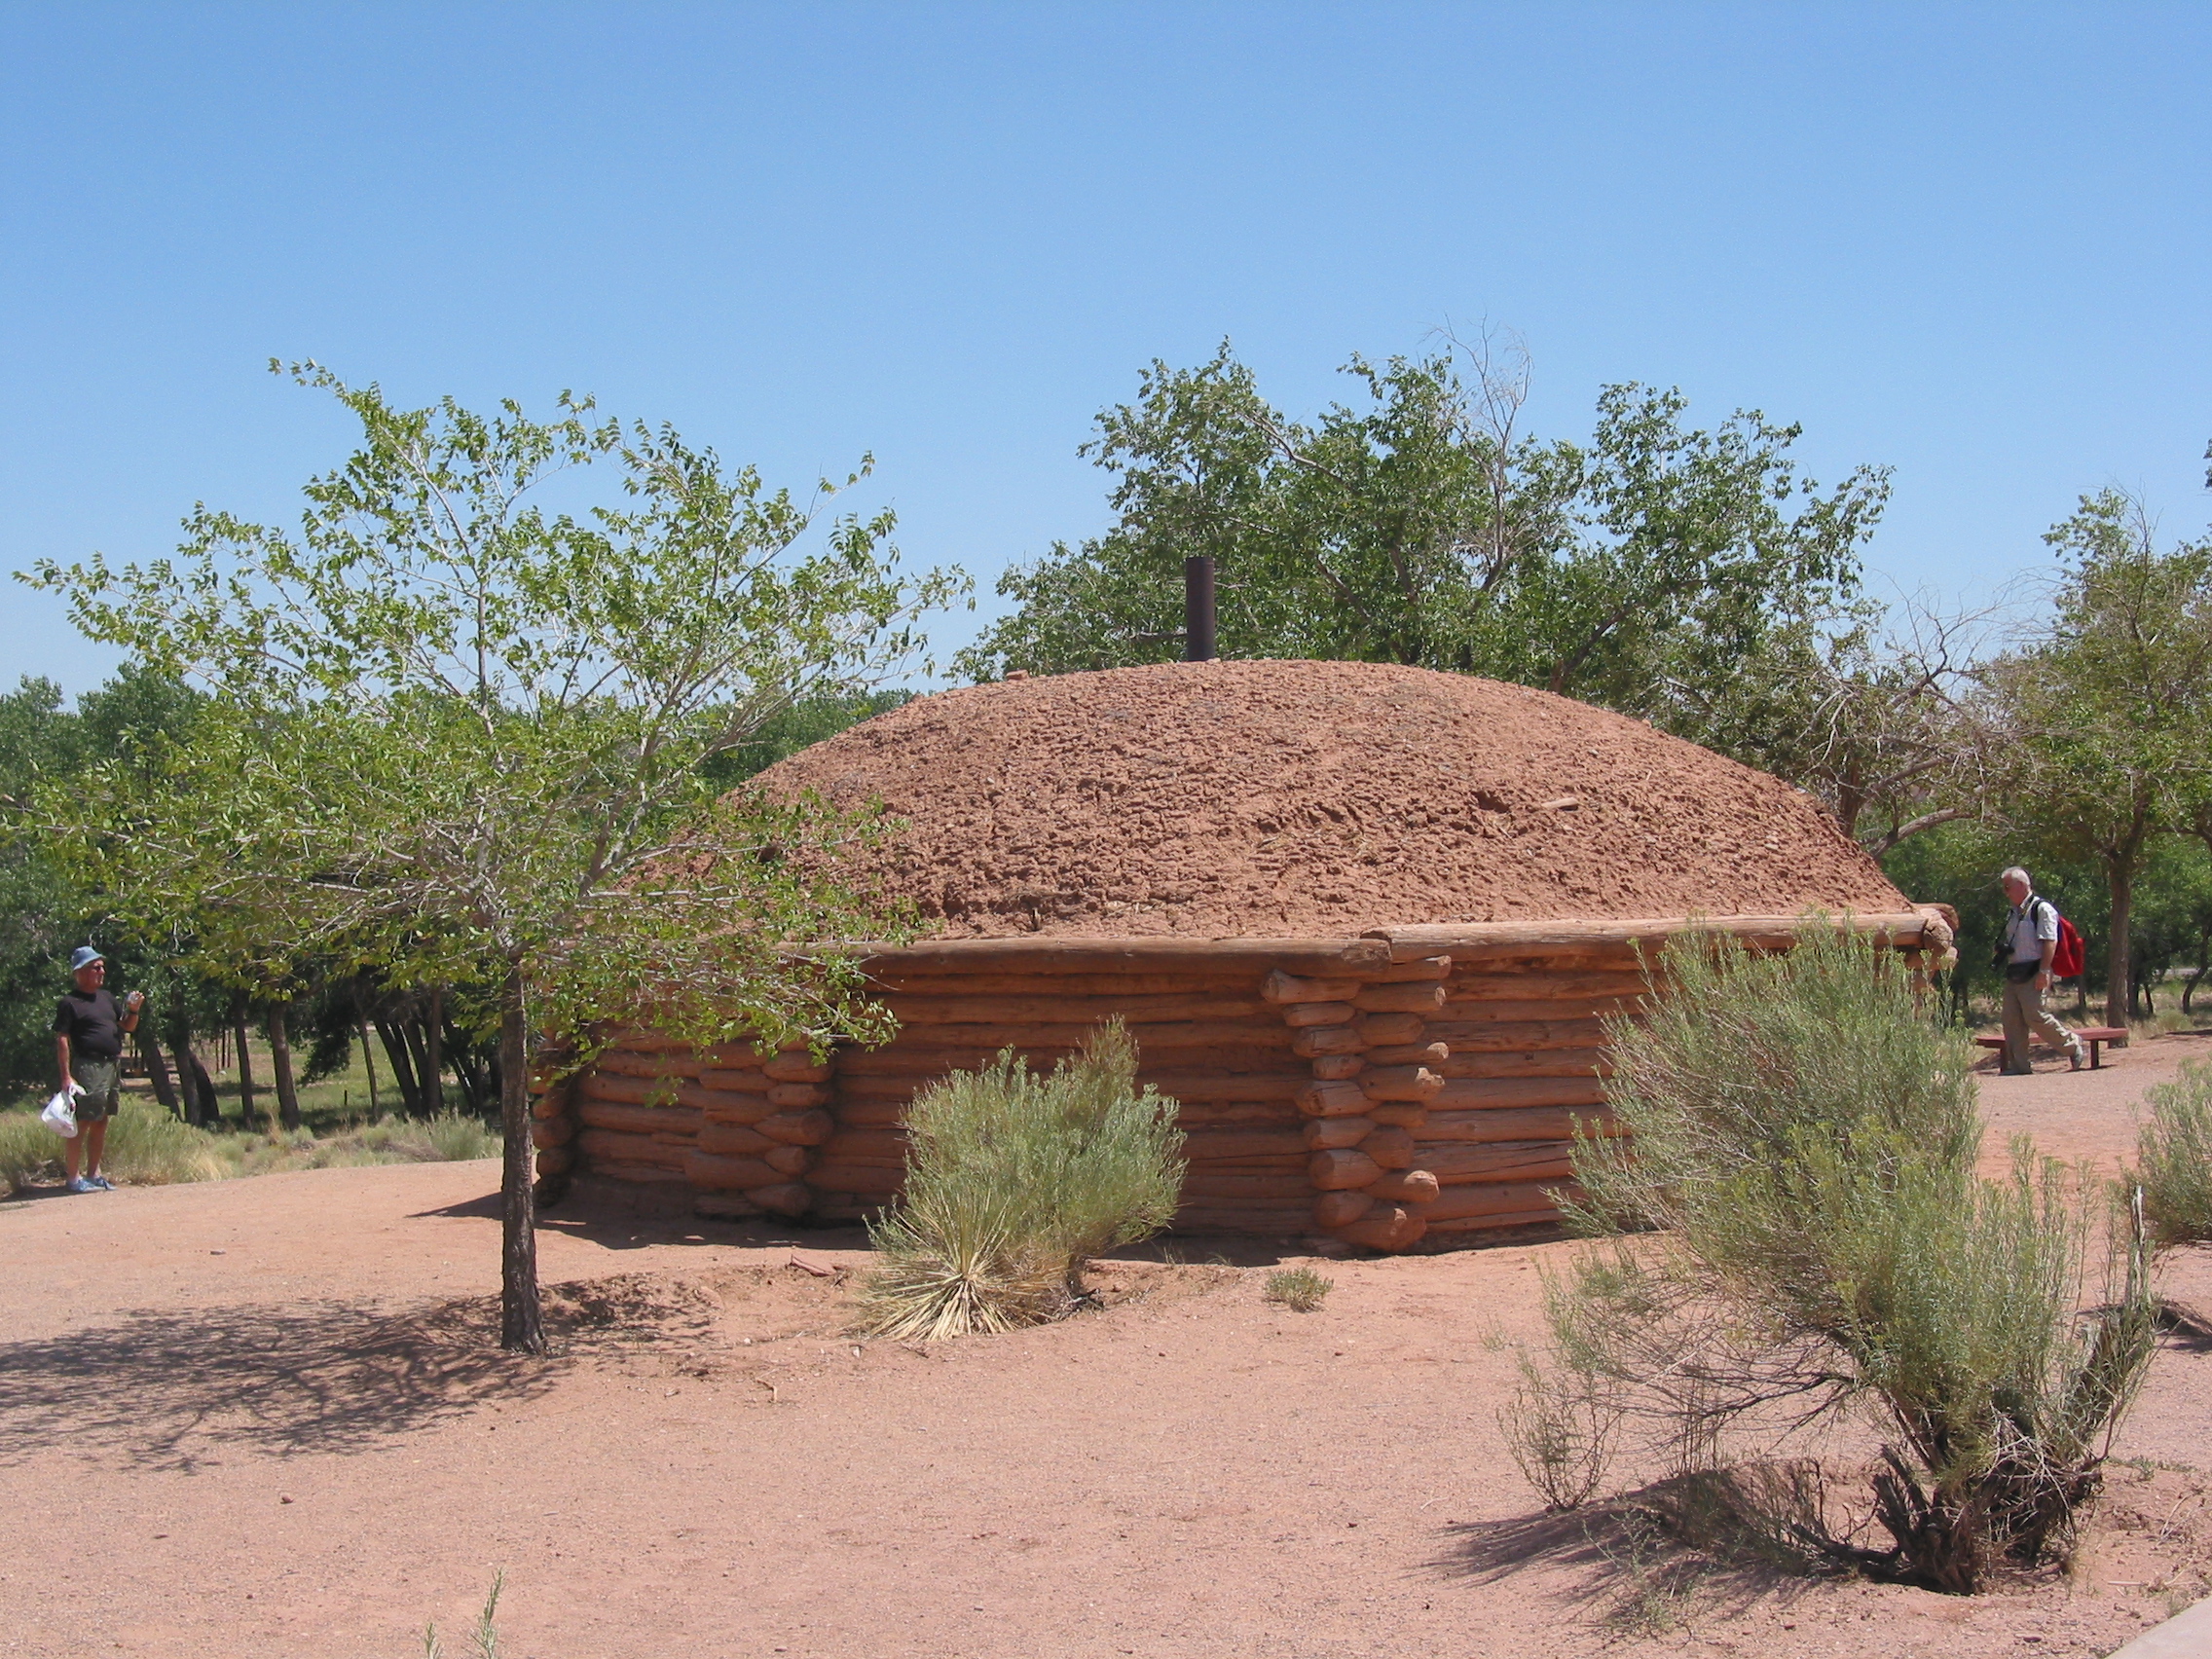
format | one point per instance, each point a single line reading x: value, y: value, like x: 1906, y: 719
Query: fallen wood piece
x: 1299, y: 1015
x: 1281, y: 988
x: 1341, y: 1168
x: 1406, y: 1187
x: 1385, y: 1226
x: 1375, y: 1029
x: 1333, y: 1100
x: 718, y: 1172
x: 1323, y: 1133
x: 1340, y: 1208
x: 639, y: 1120
x: 1419, y: 997
x: 1319, y: 1040
x: 1400, y: 1083
x: 1391, y: 1147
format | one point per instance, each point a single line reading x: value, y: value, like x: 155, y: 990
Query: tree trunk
x: 210, y: 1104
x: 2120, y: 877
x: 410, y: 1027
x: 369, y: 1059
x: 280, y: 1063
x: 158, y: 1069
x: 521, y: 1329
x: 402, y: 1066
x: 245, y: 1062
x: 433, y: 1050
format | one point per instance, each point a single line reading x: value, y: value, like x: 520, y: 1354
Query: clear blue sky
x: 1971, y: 242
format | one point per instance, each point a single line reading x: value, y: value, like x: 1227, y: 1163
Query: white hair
x: 2016, y: 874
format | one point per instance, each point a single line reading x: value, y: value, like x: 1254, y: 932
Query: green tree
x: 460, y: 741
x: 1423, y: 527
x: 2109, y: 708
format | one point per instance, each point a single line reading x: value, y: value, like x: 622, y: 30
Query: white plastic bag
x: 60, y: 1114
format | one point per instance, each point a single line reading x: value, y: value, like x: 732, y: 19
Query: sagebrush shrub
x: 1013, y: 1181
x: 1796, y: 1227
x: 2174, y: 1156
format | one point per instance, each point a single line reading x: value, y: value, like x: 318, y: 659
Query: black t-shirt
x: 91, y: 1022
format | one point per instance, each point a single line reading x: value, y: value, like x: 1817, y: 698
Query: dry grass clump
x: 1798, y: 1231
x: 1013, y: 1181
x: 145, y: 1147
x: 2174, y: 1156
x: 1301, y: 1290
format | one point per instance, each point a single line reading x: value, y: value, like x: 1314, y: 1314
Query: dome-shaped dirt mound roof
x: 1315, y: 799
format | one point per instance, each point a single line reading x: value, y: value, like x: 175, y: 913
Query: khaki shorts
x: 101, y: 1081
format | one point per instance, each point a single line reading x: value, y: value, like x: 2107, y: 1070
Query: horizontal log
x: 931, y: 1049
x: 1391, y: 1147
x: 555, y: 1161
x: 1290, y: 1167
x: 554, y: 1103
x: 858, y: 1180
x: 1331, y: 1068
x: 717, y: 1172
x: 783, y: 1197
x: 1203, y: 1145
x: 1299, y: 1015
x: 1321, y: 1134
x: 610, y: 1146
x: 1186, y: 981
x: 1531, y: 987
x: 865, y: 1146
x: 795, y: 1068
x: 1406, y: 972
x: 1375, y: 1029
x: 649, y: 1091
x: 1445, y: 1226
x: 733, y: 1140
x: 1473, y: 941
x: 1286, y: 1188
x: 754, y: 1082
x: 725, y: 1207
x: 1385, y: 1226
x: 1399, y: 1083
x: 662, y: 1062
x: 1406, y: 1187
x: 639, y: 1120
x: 1502, y: 1161
x: 1318, y: 1039
x: 799, y: 1096
x: 789, y: 1159
x: 555, y: 1131
x: 798, y: 1128
x: 1320, y: 958
x: 1403, y: 1114
x: 1281, y: 988
x: 671, y: 1181
x: 1485, y: 1036
x: 1340, y: 1208
x: 1235, y: 1114
x: 1464, y: 1019
x: 1494, y: 1199
x: 1467, y: 1093
x: 870, y: 1114
x: 1277, y: 1081
x: 1421, y: 997
x: 1341, y: 1168
x: 1529, y: 1062
x: 737, y: 1109
x: 1423, y: 1054
x: 1523, y: 1124
x: 1333, y: 1100
x: 1045, y: 1004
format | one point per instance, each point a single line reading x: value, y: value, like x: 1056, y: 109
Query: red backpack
x: 2066, y: 958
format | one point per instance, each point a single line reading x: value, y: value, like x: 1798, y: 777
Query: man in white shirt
x: 2030, y: 939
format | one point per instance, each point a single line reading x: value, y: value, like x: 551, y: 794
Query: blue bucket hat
x: 84, y: 956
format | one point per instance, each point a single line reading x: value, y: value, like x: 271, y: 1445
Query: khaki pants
x: 2024, y: 1012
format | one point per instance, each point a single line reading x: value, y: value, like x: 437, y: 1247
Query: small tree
x: 457, y: 740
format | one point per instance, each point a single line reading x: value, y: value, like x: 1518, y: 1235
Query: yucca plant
x: 1013, y: 1181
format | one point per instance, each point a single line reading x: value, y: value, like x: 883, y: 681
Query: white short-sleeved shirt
x: 2029, y: 926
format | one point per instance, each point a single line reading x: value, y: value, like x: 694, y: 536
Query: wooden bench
x: 2096, y: 1036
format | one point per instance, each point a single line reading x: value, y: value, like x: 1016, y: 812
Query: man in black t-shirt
x: 87, y: 1049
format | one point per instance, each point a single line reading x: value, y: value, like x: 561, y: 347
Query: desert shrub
x: 1013, y: 1181
x: 1301, y: 1290
x: 2174, y: 1156
x: 1797, y: 1228
x: 145, y: 1147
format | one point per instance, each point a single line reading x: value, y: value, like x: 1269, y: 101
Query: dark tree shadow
x: 172, y: 1390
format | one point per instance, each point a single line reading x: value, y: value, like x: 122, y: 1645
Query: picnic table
x: 2096, y: 1036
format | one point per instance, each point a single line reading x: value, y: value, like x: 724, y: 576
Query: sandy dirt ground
x: 264, y: 1417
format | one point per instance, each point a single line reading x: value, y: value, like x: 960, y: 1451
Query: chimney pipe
x: 1197, y: 609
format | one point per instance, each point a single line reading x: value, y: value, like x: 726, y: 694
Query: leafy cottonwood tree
x: 1425, y: 527
x: 2109, y: 709
x: 458, y: 740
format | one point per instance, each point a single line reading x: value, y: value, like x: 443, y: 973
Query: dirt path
x: 261, y: 1417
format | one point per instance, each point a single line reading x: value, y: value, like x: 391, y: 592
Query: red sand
x: 264, y: 1418
x: 1315, y: 799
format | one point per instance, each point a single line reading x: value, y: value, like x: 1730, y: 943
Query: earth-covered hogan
x: 1364, y: 922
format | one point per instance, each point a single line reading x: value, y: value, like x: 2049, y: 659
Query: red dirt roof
x: 1279, y: 799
